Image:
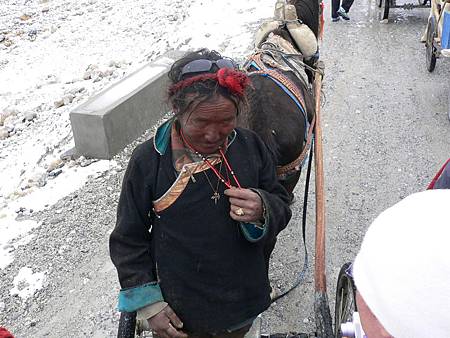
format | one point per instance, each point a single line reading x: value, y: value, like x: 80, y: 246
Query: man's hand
x: 246, y: 205
x: 166, y: 324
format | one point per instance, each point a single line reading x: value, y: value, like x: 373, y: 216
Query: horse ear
x: 304, y: 38
x: 264, y: 30
x: 290, y: 13
x: 279, y: 10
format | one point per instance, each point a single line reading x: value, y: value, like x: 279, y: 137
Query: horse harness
x: 293, y: 92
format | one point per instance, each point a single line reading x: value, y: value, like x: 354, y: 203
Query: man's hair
x: 188, y: 90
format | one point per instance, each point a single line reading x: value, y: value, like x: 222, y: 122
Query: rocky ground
x: 54, y: 54
x: 385, y: 128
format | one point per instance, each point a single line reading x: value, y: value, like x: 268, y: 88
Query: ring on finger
x: 239, y: 212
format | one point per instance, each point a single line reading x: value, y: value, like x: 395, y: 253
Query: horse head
x: 295, y: 21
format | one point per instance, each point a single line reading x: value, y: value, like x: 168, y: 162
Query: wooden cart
x: 385, y: 5
x: 438, y: 33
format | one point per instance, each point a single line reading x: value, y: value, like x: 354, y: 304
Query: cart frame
x: 433, y: 40
x: 386, y: 5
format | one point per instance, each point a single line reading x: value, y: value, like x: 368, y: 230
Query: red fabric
x: 235, y: 81
x: 4, y: 333
x: 432, y: 183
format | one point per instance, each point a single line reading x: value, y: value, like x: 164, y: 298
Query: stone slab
x: 113, y: 118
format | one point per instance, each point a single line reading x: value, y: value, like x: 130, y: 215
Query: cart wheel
x: 127, y: 325
x: 385, y: 4
x: 431, y: 49
x: 345, y: 300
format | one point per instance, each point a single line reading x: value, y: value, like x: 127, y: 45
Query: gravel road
x: 386, y: 132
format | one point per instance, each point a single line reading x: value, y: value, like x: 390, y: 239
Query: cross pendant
x: 215, y: 197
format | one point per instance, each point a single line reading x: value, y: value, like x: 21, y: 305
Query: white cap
x: 402, y: 270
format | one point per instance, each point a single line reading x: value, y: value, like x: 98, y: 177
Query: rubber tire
x: 345, y: 288
x: 430, y: 49
x: 127, y: 325
x: 385, y: 9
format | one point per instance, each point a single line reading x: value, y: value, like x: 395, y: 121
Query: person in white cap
x: 402, y: 271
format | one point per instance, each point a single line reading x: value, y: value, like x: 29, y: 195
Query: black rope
x: 302, y: 274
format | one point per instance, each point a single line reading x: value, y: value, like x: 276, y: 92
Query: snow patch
x: 12, y: 232
x: 26, y: 283
x: 127, y: 87
x: 45, y: 61
x: 11, y: 229
x: 67, y: 182
x: 226, y: 27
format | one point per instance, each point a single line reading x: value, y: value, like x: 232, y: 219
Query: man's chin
x: 208, y: 150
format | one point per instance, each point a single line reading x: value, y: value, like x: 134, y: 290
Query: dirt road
x: 386, y: 132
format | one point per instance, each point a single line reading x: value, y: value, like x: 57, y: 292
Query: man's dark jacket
x: 208, y: 271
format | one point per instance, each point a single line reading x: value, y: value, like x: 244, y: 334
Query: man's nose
x: 212, y: 135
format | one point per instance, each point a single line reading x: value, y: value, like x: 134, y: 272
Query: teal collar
x: 162, y: 136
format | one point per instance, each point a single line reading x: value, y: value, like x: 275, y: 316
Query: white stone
x: 3, y: 133
x: 76, y: 90
x: 6, y: 114
x: 30, y: 116
x: 54, y: 164
x: 9, y: 121
x: 59, y: 103
x: 67, y: 99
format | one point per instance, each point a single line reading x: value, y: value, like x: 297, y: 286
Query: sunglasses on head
x: 203, y: 65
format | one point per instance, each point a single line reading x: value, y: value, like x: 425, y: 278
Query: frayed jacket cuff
x: 132, y: 299
x: 150, y: 310
x: 253, y: 232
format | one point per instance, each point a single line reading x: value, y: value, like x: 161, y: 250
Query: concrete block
x: 113, y: 118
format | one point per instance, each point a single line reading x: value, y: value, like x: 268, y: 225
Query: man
x: 338, y: 11
x: 200, y: 201
x: 402, y: 270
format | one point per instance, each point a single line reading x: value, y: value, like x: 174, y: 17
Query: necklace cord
x: 224, y: 159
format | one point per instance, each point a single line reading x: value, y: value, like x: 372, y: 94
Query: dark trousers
x: 335, y: 4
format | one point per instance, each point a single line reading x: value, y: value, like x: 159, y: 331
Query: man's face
x: 371, y: 326
x: 207, y: 127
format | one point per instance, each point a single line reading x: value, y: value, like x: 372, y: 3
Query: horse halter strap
x: 293, y: 92
x: 282, y: 81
